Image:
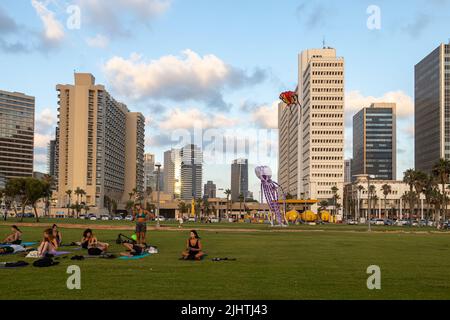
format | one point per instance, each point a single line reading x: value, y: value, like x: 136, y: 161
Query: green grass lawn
x: 270, y: 265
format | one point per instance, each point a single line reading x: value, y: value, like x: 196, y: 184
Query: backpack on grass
x: 45, y: 262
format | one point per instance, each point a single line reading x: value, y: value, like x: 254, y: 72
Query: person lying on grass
x: 193, y: 247
x: 15, y: 237
x: 133, y: 249
x: 48, y: 244
x: 12, y: 248
x: 89, y: 241
x: 57, y: 234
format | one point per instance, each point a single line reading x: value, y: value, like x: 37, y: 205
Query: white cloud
x: 355, y: 101
x: 186, y: 77
x: 46, y: 121
x: 42, y: 140
x: 99, y: 41
x: 53, y: 29
x: 266, y: 116
x: 186, y: 119
x: 115, y: 17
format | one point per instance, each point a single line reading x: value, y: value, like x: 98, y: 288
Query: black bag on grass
x: 45, y: 262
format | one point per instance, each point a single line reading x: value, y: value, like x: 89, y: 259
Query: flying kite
x: 290, y: 98
x: 270, y: 190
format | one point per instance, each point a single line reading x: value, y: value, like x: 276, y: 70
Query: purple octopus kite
x: 270, y: 190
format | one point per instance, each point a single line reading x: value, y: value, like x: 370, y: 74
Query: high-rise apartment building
x: 311, y: 137
x: 16, y: 135
x: 432, y: 108
x: 239, y: 179
x: 100, y: 144
x: 209, y: 190
x: 172, y: 173
x: 374, y: 141
x: 149, y: 172
x: 347, y: 171
x: 191, y: 172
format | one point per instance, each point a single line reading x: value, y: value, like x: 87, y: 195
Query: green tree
x: 441, y: 171
x: 387, y: 190
x: 334, y: 191
x: 183, y: 207
x: 69, y: 204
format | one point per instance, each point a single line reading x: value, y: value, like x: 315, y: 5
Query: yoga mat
x: 136, y: 257
x: 23, y: 244
x: 61, y: 253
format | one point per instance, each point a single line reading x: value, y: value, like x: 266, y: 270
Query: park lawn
x: 270, y: 265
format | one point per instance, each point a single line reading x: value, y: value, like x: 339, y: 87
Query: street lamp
x: 157, y: 165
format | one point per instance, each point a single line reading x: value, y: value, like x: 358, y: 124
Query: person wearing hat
x: 141, y: 217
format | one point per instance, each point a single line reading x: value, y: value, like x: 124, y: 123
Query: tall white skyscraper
x: 191, y: 172
x: 311, y: 138
x: 172, y: 172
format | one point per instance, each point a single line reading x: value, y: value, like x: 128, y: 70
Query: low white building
x: 395, y: 206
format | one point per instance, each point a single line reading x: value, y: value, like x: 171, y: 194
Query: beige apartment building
x: 311, y: 138
x: 100, y: 147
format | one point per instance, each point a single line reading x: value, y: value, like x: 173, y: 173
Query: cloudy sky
x: 216, y: 65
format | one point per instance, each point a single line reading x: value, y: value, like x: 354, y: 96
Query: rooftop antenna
x: 323, y: 42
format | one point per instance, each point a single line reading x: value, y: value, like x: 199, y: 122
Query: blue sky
x: 222, y: 63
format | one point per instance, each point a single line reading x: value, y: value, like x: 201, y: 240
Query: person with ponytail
x: 49, y: 245
x: 15, y: 237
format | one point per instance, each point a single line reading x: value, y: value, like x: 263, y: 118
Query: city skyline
x: 251, y: 83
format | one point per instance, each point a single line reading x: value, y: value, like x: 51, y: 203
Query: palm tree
x: 241, y: 199
x: 228, y: 194
x: 428, y: 190
x: 411, y: 177
x: 335, y: 190
x: 371, y: 194
x: 386, y: 189
x: 182, y: 207
x: 69, y: 194
x: 441, y: 171
x: 419, y: 183
x: 360, y: 188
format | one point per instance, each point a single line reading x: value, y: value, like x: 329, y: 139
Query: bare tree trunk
x: 35, y: 213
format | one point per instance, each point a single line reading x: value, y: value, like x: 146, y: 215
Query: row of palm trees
x: 434, y: 187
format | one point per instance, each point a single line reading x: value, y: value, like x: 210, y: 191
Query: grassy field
x: 307, y: 264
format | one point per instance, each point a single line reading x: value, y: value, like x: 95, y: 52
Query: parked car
x: 128, y: 218
x: 104, y: 217
x: 214, y: 220
x: 117, y: 218
x: 82, y: 216
x: 379, y: 222
x: 415, y: 223
x: 191, y: 219
x: 403, y: 222
x: 161, y: 218
x: 388, y: 222
x: 352, y: 222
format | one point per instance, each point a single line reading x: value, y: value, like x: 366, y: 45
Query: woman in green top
x: 140, y: 216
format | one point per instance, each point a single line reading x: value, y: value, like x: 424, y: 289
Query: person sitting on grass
x: 92, y: 241
x: 15, y: 237
x: 48, y: 244
x: 193, y: 247
x: 57, y: 234
x: 133, y: 249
